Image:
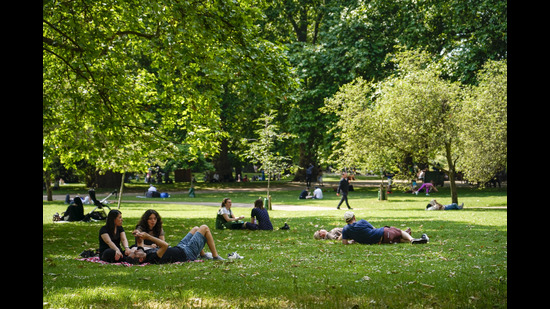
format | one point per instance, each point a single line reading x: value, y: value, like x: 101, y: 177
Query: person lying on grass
x: 188, y: 249
x: 434, y: 205
x: 364, y: 233
x: 335, y: 233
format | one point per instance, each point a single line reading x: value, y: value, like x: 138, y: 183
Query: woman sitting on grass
x: 260, y: 215
x: 110, y: 237
x: 151, y: 223
x: 226, y: 218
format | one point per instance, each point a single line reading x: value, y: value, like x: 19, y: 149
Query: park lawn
x: 464, y: 265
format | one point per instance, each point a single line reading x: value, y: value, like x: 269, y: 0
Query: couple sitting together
x: 363, y: 232
x: 259, y: 217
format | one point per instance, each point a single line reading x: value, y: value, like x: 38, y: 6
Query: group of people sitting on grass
x: 150, y: 244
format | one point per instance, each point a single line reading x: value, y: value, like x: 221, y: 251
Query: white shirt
x: 318, y: 193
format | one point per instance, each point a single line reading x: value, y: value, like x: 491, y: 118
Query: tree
x: 414, y: 114
x: 332, y: 43
x: 127, y: 83
x: 263, y: 149
x: 484, y: 123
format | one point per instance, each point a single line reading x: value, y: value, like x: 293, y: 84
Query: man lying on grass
x: 188, y: 249
x: 364, y: 233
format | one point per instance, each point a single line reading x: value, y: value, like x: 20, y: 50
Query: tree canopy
x: 129, y: 83
x: 416, y: 117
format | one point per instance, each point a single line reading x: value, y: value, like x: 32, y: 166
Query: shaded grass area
x: 464, y: 265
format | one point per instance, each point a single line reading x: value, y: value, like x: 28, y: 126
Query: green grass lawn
x: 464, y: 265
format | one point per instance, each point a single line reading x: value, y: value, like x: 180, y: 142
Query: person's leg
x: 421, y: 187
x: 192, y: 232
x: 205, y: 231
x: 344, y: 198
x: 405, y: 237
x: 187, y: 239
x: 451, y: 206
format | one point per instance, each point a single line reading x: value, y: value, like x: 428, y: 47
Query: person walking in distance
x: 343, y: 188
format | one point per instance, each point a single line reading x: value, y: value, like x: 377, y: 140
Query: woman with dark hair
x: 226, y: 219
x: 259, y: 217
x: 110, y: 237
x: 150, y: 223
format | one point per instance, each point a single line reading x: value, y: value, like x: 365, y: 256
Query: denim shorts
x: 192, y: 244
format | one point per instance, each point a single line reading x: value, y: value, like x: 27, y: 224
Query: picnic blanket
x: 96, y: 259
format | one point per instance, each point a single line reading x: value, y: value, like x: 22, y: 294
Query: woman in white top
x: 226, y: 218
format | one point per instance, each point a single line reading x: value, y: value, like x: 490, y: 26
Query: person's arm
x: 107, y: 239
x: 139, y: 240
x: 227, y: 218
x: 124, y: 242
x: 232, y: 218
x: 163, y: 245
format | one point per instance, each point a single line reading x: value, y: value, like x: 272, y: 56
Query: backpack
x: 220, y: 222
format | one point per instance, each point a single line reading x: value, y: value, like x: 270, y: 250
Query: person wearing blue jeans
x: 434, y: 205
x: 188, y: 249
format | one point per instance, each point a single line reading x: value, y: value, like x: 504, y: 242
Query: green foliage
x: 263, y: 151
x: 484, y: 124
x: 127, y: 82
x: 416, y: 116
x: 404, y: 115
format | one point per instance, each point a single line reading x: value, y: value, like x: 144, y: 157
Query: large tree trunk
x: 305, y: 159
x: 222, y: 163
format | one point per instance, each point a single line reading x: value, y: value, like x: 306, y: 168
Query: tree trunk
x: 222, y: 163
x: 268, y: 196
x: 121, y: 187
x: 48, y: 182
x: 451, y: 173
x: 304, y: 160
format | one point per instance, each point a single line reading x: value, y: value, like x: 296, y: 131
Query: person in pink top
x: 428, y: 186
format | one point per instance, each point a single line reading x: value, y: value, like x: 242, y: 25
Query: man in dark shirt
x: 363, y: 232
x: 188, y: 249
x: 343, y: 187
